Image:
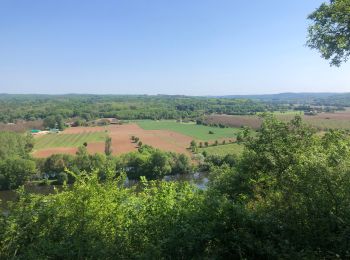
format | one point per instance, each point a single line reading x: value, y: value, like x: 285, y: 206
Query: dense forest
x: 57, y: 109
x: 287, y: 196
x: 88, y: 107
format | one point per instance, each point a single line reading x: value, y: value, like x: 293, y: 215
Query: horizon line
x: 162, y: 94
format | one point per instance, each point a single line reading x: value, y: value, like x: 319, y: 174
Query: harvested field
x: 165, y: 140
x: 21, y: 126
x: 322, y: 121
x: 234, y: 121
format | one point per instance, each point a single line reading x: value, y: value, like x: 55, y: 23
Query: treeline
x: 88, y: 107
x: 337, y: 100
x: 148, y: 162
x: 57, y: 109
x: 17, y: 166
x: 286, y: 197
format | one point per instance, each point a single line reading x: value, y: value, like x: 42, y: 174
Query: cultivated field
x: 198, y: 132
x: 165, y: 135
x: 169, y: 135
x: 68, y: 140
x: 324, y: 121
x: 121, y: 140
x: 235, y: 121
x: 234, y: 148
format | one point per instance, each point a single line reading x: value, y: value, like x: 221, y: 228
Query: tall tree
x: 330, y: 31
x: 108, y: 146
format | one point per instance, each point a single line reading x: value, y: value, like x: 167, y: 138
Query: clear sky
x: 191, y: 47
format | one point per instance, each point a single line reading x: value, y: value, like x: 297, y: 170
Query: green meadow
x: 199, y: 132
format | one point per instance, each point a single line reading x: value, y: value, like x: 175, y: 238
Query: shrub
x: 193, y: 146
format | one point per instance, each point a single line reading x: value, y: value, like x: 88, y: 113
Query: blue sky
x: 191, y: 47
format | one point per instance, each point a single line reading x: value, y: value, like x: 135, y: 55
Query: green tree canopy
x: 15, y: 171
x: 330, y: 31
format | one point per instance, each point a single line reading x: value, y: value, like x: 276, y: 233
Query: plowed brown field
x: 321, y: 121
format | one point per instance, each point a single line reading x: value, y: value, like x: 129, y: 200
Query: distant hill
x: 285, y: 96
x: 322, y: 98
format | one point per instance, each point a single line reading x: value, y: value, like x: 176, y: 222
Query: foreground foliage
x: 297, y: 185
x: 99, y: 221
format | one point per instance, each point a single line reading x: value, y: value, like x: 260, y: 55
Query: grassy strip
x: 225, y: 149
